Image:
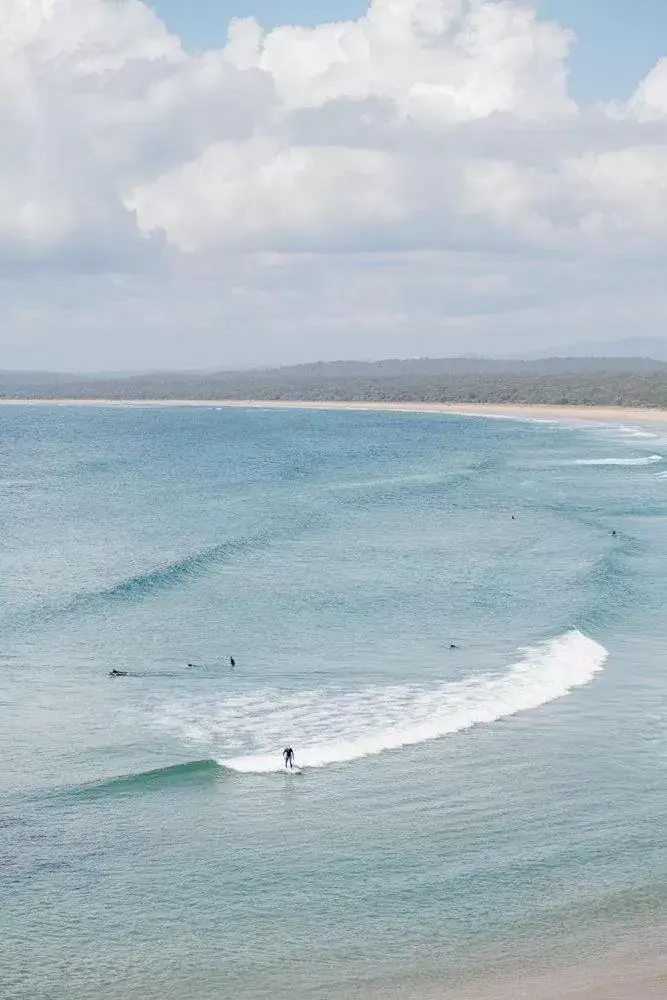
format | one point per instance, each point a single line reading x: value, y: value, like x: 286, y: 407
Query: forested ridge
x: 575, y: 382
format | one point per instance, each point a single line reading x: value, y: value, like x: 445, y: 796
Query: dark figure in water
x: 288, y: 754
x: 453, y: 646
x: 117, y: 673
x: 232, y: 662
x: 614, y: 533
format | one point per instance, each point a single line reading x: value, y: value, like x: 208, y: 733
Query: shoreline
x: 517, y: 411
x: 628, y: 972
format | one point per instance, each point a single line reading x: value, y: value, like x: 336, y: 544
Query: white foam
x: 637, y: 432
x: 329, y: 727
x: 644, y: 460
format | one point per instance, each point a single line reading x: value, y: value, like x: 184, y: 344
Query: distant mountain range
x: 397, y: 368
x: 628, y: 347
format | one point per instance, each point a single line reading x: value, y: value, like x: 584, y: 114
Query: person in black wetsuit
x: 232, y: 662
x: 117, y: 673
x: 288, y: 754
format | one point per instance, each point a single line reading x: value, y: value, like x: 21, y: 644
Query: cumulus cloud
x: 408, y: 72
x: 95, y: 98
x: 439, y: 132
x: 649, y: 102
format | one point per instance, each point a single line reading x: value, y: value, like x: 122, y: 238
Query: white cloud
x: 247, y: 195
x: 432, y: 64
x: 439, y: 132
x: 649, y: 102
x: 450, y: 60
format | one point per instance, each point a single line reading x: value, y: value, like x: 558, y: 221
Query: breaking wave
x: 644, y: 460
x: 637, y: 432
x: 333, y: 727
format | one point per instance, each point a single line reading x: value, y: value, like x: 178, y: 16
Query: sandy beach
x: 638, y: 975
x: 600, y: 414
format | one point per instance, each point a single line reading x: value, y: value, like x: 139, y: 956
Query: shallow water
x: 461, y: 812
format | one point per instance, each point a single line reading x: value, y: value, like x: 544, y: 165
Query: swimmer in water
x: 232, y: 662
x: 288, y: 754
x: 117, y: 673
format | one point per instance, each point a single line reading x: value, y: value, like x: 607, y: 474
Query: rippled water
x: 456, y: 812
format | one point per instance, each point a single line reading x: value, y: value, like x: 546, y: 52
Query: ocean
x: 457, y: 815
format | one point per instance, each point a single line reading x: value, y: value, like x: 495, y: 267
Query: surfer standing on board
x: 288, y: 754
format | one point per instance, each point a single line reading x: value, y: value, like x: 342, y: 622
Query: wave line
x: 341, y: 727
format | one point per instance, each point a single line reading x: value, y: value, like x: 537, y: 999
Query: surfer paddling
x: 288, y: 754
x: 117, y: 673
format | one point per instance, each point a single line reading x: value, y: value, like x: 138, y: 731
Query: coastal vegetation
x: 561, y: 382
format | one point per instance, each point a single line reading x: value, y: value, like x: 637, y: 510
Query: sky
x: 617, y: 41
x: 203, y: 184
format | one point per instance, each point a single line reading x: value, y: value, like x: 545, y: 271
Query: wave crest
x: 172, y: 574
x: 203, y: 770
x: 168, y: 576
x: 334, y: 727
x: 645, y: 460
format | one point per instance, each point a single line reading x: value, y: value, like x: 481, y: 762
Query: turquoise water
x: 460, y: 813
